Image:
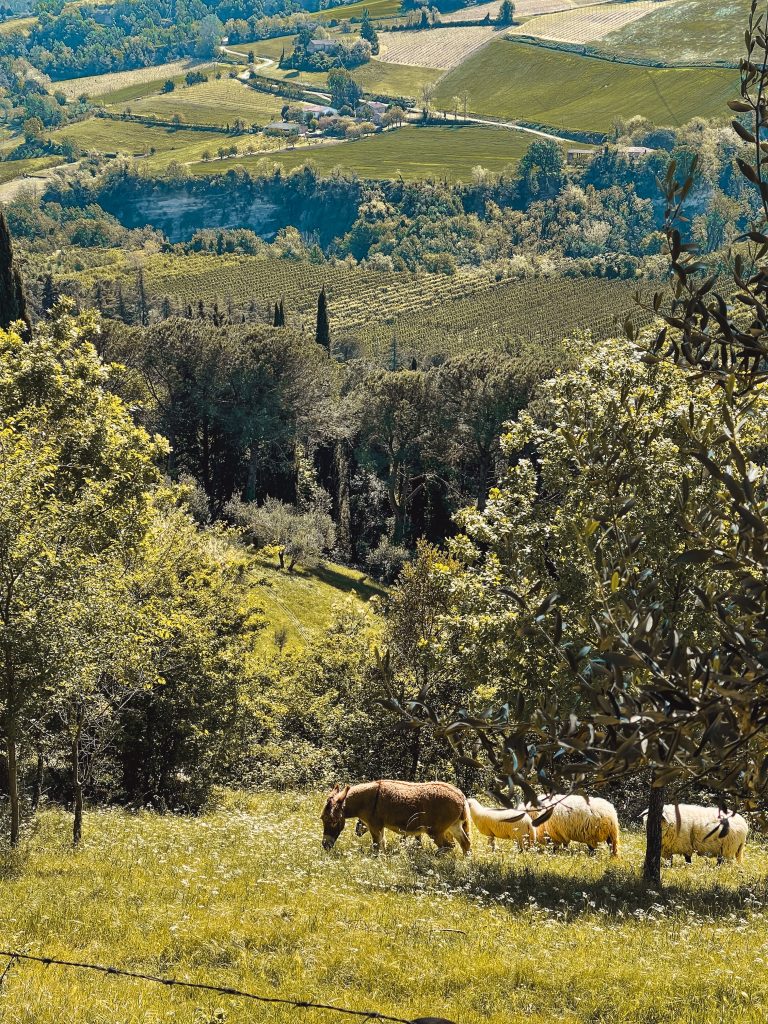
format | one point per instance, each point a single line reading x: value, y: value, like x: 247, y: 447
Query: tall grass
x: 245, y: 896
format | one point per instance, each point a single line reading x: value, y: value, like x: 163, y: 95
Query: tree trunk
x: 343, y: 511
x: 13, y: 786
x: 37, y: 785
x: 652, y: 866
x: 415, y: 754
x: 77, y: 786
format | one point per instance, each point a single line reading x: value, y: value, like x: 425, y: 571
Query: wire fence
x: 15, y: 956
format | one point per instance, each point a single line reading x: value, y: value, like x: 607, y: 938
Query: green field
x: 10, y: 169
x: 217, y: 102
x: 384, y: 79
x: 412, y: 152
x: 689, y: 30
x: 104, y: 135
x: 570, y: 92
x: 298, y: 606
x: 244, y: 896
x: 376, y: 8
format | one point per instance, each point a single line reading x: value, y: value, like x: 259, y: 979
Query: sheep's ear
x: 643, y: 814
x: 665, y: 816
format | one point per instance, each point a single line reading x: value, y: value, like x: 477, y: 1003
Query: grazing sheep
x: 502, y: 824
x: 689, y: 828
x: 577, y: 819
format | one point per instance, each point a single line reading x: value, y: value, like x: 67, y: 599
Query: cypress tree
x: 49, y: 296
x: 13, y: 303
x: 323, y: 330
x: 414, y: 364
x: 279, y: 318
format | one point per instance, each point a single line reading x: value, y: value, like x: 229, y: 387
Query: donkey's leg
x: 379, y: 844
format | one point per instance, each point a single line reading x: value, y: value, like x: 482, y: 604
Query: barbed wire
x: 299, y: 1004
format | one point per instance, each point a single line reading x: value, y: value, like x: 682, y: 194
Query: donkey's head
x: 333, y: 815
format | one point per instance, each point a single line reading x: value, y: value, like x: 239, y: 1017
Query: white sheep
x: 689, y: 828
x: 503, y: 824
x: 577, y: 819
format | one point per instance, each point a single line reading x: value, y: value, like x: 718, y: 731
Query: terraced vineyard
x: 539, y: 309
x: 572, y: 92
x: 428, y: 314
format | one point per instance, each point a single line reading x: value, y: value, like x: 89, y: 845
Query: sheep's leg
x: 520, y: 846
x: 457, y: 832
x: 688, y: 858
x: 592, y: 850
x: 492, y: 843
x: 740, y: 855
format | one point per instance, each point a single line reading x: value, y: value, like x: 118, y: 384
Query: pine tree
x: 323, y: 330
x: 13, y: 303
x: 49, y: 295
x: 201, y: 309
x: 122, y: 311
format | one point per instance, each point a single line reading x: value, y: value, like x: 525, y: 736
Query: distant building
x: 322, y: 45
x: 319, y: 110
x: 286, y: 128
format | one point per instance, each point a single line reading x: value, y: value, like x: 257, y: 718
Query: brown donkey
x: 436, y: 809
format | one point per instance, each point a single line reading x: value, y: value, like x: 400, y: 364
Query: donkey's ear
x: 345, y: 793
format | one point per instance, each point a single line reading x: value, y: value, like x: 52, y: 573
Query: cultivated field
x: 102, y: 85
x: 376, y: 9
x: 590, y: 23
x: 571, y: 92
x: 387, y: 79
x: 414, y: 153
x: 691, y: 30
x: 103, y: 135
x: 244, y: 896
x: 431, y: 314
x: 216, y: 102
x: 542, y: 309
x: 440, y: 48
x: 523, y: 9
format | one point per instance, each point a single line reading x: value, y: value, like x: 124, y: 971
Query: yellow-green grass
x: 376, y: 8
x: 299, y: 605
x: 571, y: 92
x: 411, y: 152
x: 271, y: 48
x: 11, y: 169
x: 395, y: 79
x: 215, y: 102
x: 688, y: 30
x: 245, y: 897
x: 16, y: 25
x: 105, y: 135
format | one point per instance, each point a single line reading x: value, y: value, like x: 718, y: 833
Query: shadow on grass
x: 363, y: 587
x: 567, y: 884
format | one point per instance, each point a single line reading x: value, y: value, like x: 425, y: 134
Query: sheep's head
x: 333, y: 816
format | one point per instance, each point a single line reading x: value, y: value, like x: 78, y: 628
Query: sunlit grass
x: 244, y: 896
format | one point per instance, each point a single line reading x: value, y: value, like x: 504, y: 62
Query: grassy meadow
x: 687, y: 30
x: 244, y: 896
x: 298, y: 606
x: 108, y: 136
x: 570, y: 92
x: 411, y: 152
x: 218, y: 102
